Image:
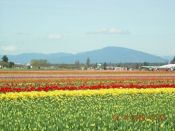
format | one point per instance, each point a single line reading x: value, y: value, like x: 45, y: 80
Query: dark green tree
x: 11, y: 64
x: 88, y: 62
x: 104, y: 66
x: 5, y: 58
x: 145, y: 64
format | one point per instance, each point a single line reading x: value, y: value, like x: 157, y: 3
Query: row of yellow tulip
x: 34, y: 94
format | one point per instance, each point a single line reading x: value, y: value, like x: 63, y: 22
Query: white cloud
x: 8, y: 49
x: 110, y: 31
x: 55, y: 36
x: 22, y: 33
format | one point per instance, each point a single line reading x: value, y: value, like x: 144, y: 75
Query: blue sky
x: 50, y: 26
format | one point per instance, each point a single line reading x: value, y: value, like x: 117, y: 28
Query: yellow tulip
x: 34, y: 94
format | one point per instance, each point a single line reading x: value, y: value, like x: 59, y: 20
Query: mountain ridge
x: 110, y: 54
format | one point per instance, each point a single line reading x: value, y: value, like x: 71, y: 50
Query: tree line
x: 5, y: 63
x: 42, y: 63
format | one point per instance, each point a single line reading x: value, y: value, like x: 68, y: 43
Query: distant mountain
x: 27, y: 57
x: 115, y: 55
x: 107, y: 54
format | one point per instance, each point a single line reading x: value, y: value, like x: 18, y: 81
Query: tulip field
x: 87, y: 100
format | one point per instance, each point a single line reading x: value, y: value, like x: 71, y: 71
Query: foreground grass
x: 96, y: 112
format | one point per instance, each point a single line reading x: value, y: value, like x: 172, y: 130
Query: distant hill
x: 107, y: 54
x: 27, y: 57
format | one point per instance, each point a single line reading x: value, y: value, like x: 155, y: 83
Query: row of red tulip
x: 82, y: 87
